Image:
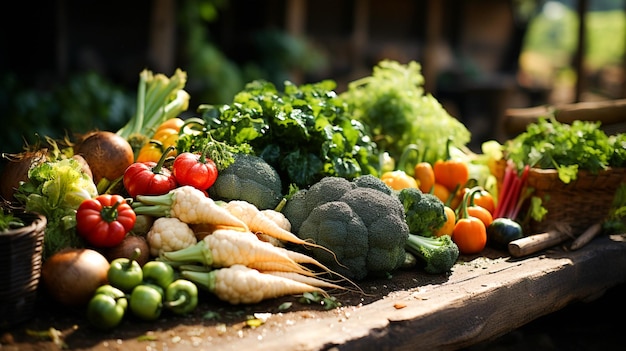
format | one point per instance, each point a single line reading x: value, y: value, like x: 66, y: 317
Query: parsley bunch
x: 550, y: 144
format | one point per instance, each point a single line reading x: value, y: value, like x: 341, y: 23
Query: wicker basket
x: 20, y: 268
x: 578, y: 204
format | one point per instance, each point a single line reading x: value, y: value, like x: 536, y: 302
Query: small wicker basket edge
x: 575, y: 205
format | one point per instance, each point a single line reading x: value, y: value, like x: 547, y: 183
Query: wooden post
x: 579, y: 57
x: 359, y: 33
x: 162, y: 29
x: 433, y: 38
x: 295, y: 23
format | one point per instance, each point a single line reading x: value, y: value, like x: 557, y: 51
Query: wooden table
x: 484, y: 297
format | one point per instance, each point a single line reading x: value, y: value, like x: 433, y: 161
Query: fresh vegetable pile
x: 301, y: 191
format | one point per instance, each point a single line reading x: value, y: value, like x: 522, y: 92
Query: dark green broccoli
x: 363, y: 226
x: 425, y: 213
x: 438, y: 253
x: 371, y: 181
x: 251, y: 179
x: 334, y: 225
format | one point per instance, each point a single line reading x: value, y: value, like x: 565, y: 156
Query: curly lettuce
x: 393, y: 104
x: 55, y: 189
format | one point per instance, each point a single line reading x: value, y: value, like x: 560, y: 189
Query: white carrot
x: 320, y: 283
x: 189, y: 205
x: 258, y: 222
x: 278, y: 218
x: 227, y: 247
x: 242, y: 285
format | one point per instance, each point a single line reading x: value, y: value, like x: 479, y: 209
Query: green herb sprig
x: 550, y: 144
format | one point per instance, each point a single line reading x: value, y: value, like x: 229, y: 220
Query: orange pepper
x: 453, y: 174
x: 441, y: 192
x: 174, y: 123
x: 470, y: 233
x: 448, y: 226
x: 480, y: 213
x: 398, y: 180
x: 425, y: 176
x: 483, y: 199
x: 165, y: 136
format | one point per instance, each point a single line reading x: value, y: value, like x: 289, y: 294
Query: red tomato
x: 105, y: 220
x: 148, y: 178
x: 195, y: 170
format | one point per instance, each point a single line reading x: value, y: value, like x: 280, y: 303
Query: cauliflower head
x: 169, y: 234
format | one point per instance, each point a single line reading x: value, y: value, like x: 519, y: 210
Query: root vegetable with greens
x: 227, y: 247
x: 239, y: 284
x: 189, y: 205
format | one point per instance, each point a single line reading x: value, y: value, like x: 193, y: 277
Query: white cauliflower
x: 169, y: 234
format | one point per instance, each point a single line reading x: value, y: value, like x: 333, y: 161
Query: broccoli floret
x: 438, y: 253
x: 371, y: 181
x: 293, y: 209
x: 326, y: 190
x: 425, y: 213
x: 251, y: 179
x: 363, y: 226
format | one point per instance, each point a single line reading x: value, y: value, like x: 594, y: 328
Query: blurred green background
x: 222, y: 46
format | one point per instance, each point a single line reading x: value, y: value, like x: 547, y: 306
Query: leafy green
x: 8, y: 221
x: 55, y: 189
x: 550, y: 144
x: 305, y: 132
x: 393, y: 104
x: 615, y: 222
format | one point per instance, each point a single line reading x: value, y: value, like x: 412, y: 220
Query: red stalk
x: 509, y: 175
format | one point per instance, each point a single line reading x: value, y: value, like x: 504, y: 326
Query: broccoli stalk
x: 438, y: 253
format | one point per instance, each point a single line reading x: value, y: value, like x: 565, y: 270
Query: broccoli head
x: 438, y: 253
x: 371, y: 181
x: 425, y: 213
x: 335, y: 225
x: 249, y: 178
x: 363, y: 226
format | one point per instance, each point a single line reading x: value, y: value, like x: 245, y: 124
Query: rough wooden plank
x: 483, y: 299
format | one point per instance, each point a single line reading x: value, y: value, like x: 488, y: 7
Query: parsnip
x: 239, y: 284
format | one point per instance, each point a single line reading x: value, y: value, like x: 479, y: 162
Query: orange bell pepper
x: 398, y: 180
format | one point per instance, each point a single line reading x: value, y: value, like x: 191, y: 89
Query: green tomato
x: 125, y: 273
x: 146, y: 301
x: 181, y: 297
x: 105, y: 312
x: 158, y: 273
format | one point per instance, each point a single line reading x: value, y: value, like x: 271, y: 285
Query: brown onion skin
x: 127, y: 247
x: 15, y: 170
x: 71, y: 276
x: 107, y: 154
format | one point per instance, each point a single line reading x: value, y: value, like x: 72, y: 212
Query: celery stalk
x: 158, y: 99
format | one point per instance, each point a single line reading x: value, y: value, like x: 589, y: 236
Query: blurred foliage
x: 214, y: 78
x: 554, y: 33
x: 85, y: 102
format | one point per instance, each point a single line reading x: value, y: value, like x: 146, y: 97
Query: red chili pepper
x: 195, y: 170
x: 149, y: 178
x: 105, y: 220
